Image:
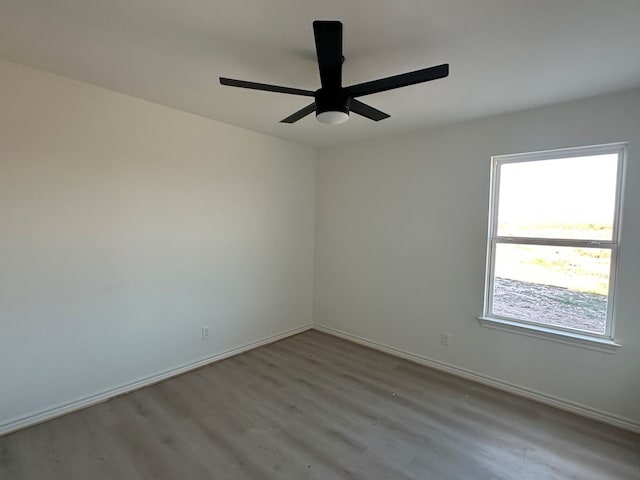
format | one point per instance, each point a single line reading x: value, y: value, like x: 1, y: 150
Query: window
x: 553, y: 241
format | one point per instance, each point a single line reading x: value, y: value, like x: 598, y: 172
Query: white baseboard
x: 80, y: 403
x: 560, y: 403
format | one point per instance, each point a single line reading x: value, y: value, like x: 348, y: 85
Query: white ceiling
x: 505, y: 55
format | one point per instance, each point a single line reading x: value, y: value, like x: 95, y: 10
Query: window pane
x: 557, y: 286
x: 560, y: 198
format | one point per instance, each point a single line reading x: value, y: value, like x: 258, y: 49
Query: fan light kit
x: 333, y: 102
x: 332, y: 117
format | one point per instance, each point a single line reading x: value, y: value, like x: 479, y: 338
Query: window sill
x: 560, y: 336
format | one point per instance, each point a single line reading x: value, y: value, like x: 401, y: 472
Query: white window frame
x: 603, y: 341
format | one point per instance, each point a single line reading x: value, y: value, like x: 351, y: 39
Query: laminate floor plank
x: 314, y: 406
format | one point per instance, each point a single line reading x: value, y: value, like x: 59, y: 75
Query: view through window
x: 554, y: 238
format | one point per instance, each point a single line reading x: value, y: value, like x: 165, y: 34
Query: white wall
x: 401, y: 234
x: 126, y: 227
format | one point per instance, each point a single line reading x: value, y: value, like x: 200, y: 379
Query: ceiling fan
x: 333, y: 102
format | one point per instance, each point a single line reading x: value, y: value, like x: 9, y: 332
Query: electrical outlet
x: 445, y: 339
x: 205, y: 333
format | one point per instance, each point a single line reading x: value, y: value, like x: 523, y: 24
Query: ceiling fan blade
x: 263, y: 86
x: 368, y: 111
x: 300, y: 114
x: 328, y: 35
x: 397, y: 81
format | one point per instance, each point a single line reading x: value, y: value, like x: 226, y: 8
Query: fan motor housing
x: 332, y: 101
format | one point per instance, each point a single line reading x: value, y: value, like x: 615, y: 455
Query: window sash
x: 608, y: 333
x: 612, y: 245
